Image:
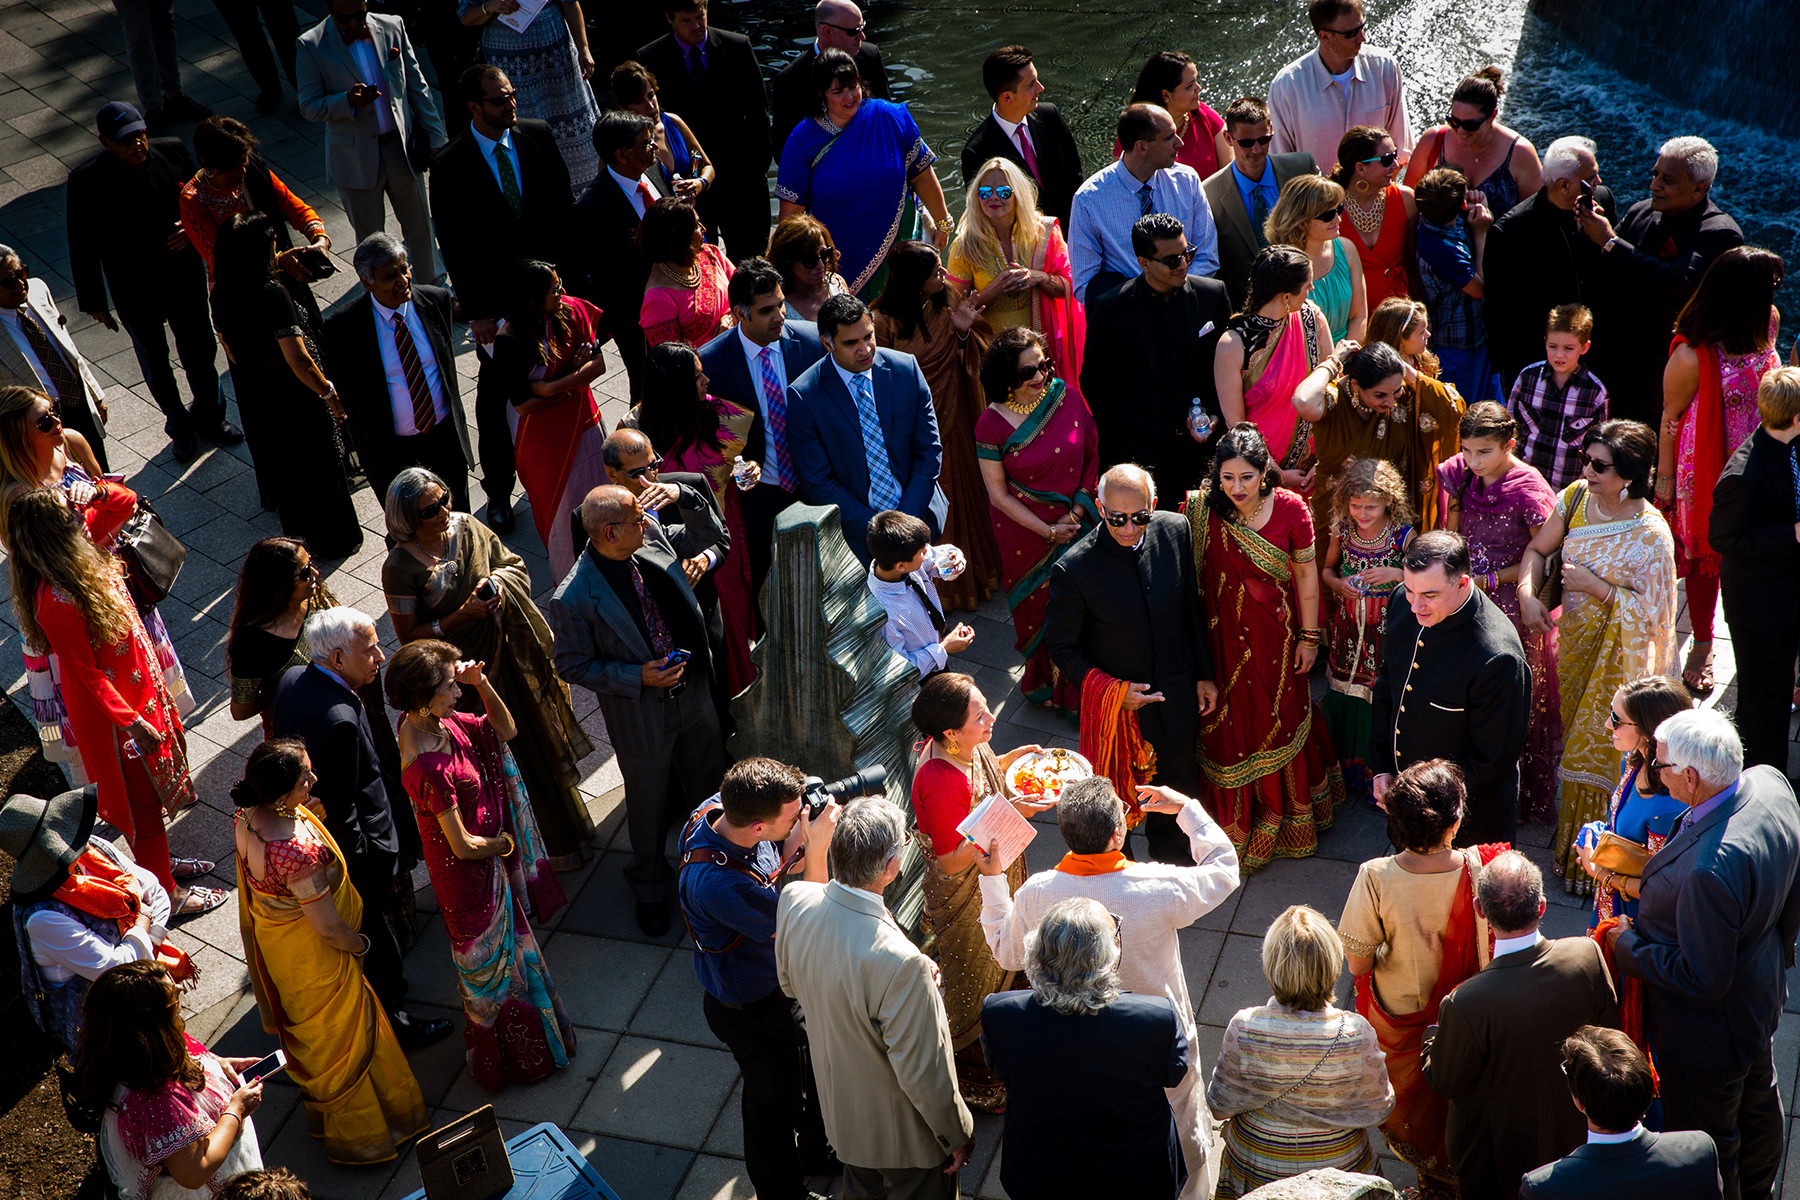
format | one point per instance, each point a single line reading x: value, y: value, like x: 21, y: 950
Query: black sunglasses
x: 1659, y: 766
x: 1347, y: 34
x: 1043, y: 370
x: 428, y: 511
x: 1614, y: 720
x: 1177, y: 260
x: 818, y: 258
x: 1386, y: 160
x: 18, y: 276
x: 649, y: 468
x: 306, y: 570
x: 507, y: 97
x: 1003, y: 192
x: 49, y: 421
x: 854, y: 31
x: 1600, y: 465
x: 1118, y: 519
x: 1247, y: 143
x: 1469, y: 126
x: 1331, y: 214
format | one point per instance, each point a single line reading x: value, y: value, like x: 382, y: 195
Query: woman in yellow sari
x: 1618, y: 614
x: 298, y: 915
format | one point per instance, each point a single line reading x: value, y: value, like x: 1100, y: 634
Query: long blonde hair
x: 17, y: 466
x: 50, y: 545
x: 976, y: 239
x: 1302, y: 198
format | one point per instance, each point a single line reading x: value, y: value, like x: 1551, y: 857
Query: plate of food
x: 1042, y: 774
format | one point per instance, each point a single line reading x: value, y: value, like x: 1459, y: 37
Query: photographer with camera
x: 734, y: 851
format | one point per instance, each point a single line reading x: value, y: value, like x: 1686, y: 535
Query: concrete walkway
x: 651, y: 1098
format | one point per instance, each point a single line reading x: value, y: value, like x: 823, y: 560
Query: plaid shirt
x: 1552, y: 420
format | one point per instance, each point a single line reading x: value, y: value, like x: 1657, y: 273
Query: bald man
x: 628, y: 626
x: 837, y: 25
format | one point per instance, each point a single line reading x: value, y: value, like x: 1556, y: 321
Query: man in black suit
x: 601, y: 262
x: 1713, y: 940
x: 1610, y: 1082
x: 124, y: 208
x: 1243, y: 192
x: 1755, y: 528
x: 751, y: 365
x: 486, y: 228
x: 1150, y: 347
x: 837, y: 25
x: 1030, y: 133
x: 712, y: 80
x: 1124, y: 601
x: 318, y: 704
x: 391, y: 348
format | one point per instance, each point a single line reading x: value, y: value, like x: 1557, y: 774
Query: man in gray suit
x: 1713, y: 939
x: 37, y: 352
x: 624, y: 619
x: 358, y: 74
x: 1243, y: 194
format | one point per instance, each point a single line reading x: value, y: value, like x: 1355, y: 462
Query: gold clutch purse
x: 1622, y: 856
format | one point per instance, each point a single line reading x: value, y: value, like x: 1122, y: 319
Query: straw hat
x: 44, y: 836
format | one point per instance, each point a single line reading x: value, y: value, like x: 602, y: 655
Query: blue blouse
x: 1638, y: 817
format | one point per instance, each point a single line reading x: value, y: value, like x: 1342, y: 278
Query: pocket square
x: 393, y: 53
x: 1205, y: 329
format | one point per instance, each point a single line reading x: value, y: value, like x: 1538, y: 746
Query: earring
x: 952, y: 747
x: 1624, y: 493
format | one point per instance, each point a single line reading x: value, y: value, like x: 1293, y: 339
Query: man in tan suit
x: 1496, y: 1051
x: 880, y: 1040
x: 1242, y: 193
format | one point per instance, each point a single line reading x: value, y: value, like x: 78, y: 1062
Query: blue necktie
x: 1145, y: 203
x: 1794, y: 468
x: 884, y: 489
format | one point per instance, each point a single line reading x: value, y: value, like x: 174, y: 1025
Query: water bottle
x: 1199, y: 421
x: 740, y: 473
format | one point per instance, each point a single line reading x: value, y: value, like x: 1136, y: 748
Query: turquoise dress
x: 1332, y: 293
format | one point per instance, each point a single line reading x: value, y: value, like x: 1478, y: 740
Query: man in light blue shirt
x: 1144, y: 180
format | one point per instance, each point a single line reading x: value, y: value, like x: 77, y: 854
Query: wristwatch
x: 945, y: 225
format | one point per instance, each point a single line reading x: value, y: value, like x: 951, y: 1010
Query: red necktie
x: 1031, y: 162
x: 645, y: 194
x: 424, y: 412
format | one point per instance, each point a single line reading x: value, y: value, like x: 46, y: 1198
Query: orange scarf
x: 1631, y: 994
x: 1112, y: 742
x: 1103, y: 863
x: 103, y: 888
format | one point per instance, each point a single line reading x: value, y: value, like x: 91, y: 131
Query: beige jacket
x: 880, y: 1041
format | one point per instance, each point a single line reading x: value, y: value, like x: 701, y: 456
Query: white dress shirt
x: 490, y: 147
x: 630, y: 188
x: 15, y: 326
x: 399, y: 397
x: 1513, y: 945
x: 63, y: 947
x: 909, y: 629
x: 1596, y: 1138
x: 368, y: 65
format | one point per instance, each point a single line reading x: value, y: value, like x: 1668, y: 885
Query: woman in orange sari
x: 1269, y: 348
x: 1419, y: 907
x: 545, y: 359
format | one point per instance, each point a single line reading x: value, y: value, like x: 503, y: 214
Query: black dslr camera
x: 869, y: 782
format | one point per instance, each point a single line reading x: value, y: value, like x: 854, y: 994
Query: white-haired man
x: 319, y: 705
x: 1713, y: 939
x: 1654, y: 260
x: 1152, y: 902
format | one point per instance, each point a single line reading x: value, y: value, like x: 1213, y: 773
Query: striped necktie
x: 775, y: 471
x: 63, y: 383
x: 424, y: 412
x: 1146, y: 202
x: 884, y: 489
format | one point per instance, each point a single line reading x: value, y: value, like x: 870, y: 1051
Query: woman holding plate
x: 957, y: 770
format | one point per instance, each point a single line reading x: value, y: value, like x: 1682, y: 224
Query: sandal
x: 1697, y: 671
x: 197, y: 900
x: 191, y: 868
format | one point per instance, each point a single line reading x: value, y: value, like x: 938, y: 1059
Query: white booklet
x: 995, y: 819
x: 527, y: 12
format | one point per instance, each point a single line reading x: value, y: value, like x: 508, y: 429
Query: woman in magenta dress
x: 1382, y: 217
x: 1171, y: 80
x: 1497, y: 503
x: 486, y: 861
x: 684, y: 298
x: 1040, y: 460
x: 1265, y: 353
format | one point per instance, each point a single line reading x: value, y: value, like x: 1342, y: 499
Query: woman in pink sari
x: 1040, y: 459
x: 1014, y: 264
x: 1268, y: 350
x: 544, y: 360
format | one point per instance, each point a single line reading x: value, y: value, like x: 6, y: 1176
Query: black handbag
x: 151, y: 555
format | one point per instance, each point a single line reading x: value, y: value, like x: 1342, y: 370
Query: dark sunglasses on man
x: 1118, y: 519
x: 649, y: 468
x: 1249, y: 143
x: 1177, y: 260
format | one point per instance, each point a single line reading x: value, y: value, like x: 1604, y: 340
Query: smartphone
x: 318, y: 264
x: 262, y: 1068
x: 678, y: 659
x: 1587, y: 188
x: 487, y: 589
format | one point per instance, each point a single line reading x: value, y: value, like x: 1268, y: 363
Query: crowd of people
x: 1279, y: 395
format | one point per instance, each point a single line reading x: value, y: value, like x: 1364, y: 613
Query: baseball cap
x: 118, y: 120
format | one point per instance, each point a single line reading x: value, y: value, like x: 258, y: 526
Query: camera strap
x: 718, y: 858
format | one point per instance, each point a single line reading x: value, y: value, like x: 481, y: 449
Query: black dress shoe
x: 415, y: 1033
x: 184, y: 446
x: 500, y: 517
x: 653, y: 917
x: 223, y: 434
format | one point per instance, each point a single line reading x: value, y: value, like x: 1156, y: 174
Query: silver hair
x: 1510, y: 891
x: 375, y: 252
x: 334, y: 629
x: 1698, y: 153
x: 7, y: 252
x: 1706, y: 740
x: 1072, y: 958
x: 1563, y: 158
x: 401, y: 508
x: 868, y: 836
x: 1088, y: 814
x: 1129, y: 474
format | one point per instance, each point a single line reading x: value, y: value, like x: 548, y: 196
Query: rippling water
x: 1088, y: 52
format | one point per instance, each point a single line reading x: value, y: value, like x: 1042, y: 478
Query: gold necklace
x: 1367, y: 220
x: 1024, y: 410
x: 688, y: 279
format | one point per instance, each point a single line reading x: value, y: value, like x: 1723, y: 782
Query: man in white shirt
x: 37, y: 352
x: 1321, y: 95
x: 1152, y: 903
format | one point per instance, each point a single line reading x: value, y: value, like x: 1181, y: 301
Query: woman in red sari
x: 1411, y: 933
x: 70, y: 595
x: 545, y: 360
x: 1381, y: 217
x: 1265, y: 750
x: 1040, y: 459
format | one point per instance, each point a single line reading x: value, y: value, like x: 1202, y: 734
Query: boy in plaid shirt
x: 1557, y: 400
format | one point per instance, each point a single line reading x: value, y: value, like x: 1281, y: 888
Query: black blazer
x: 355, y: 356
x: 1126, y: 1055
x: 1669, y: 1166
x: 795, y: 99
x: 1752, y: 528
x: 1537, y: 258
x: 1058, y: 159
x: 331, y: 720
x: 119, y: 226
x: 477, y: 230
x: 601, y: 263
x: 726, y: 110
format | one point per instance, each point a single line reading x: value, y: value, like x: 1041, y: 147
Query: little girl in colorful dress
x: 1372, y: 521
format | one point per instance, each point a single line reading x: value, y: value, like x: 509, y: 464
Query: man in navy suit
x: 751, y: 365
x: 1610, y: 1082
x: 1713, y: 939
x: 861, y: 427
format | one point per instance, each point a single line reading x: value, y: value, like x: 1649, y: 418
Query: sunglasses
x: 1469, y: 126
x: 1659, y: 766
x: 1601, y: 466
x: 306, y: 571
x: 1614, y: 720
x: 51, y: 420
x: 649, y: 468
x: 818, y: 258
x: 1118, y: 519
x: 428, y: 511
x: 1331, y: 214
x: 14, y: 277
x: 1386, y: 160
x: 1177, y: 260
x: 1043, y: 370
x: 1247, y: 143
x: 509, y: 96
x: 854, y: 31
x: 1003, y: 192
x: 1347, y: 34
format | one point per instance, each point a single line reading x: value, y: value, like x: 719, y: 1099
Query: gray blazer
x: 1715, y: 929
x: 15, y: 369
x: 1237, y: 241
x: 326, y: 70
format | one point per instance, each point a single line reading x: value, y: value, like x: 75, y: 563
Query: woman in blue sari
x: 858, y: 167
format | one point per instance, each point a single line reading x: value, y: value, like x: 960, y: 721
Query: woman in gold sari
x: 298, y: 915
x: 957, y: 771
x: 1618, y: 614
x: 435, y: 578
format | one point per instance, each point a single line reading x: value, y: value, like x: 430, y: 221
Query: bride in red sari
x: 1265, y: 750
